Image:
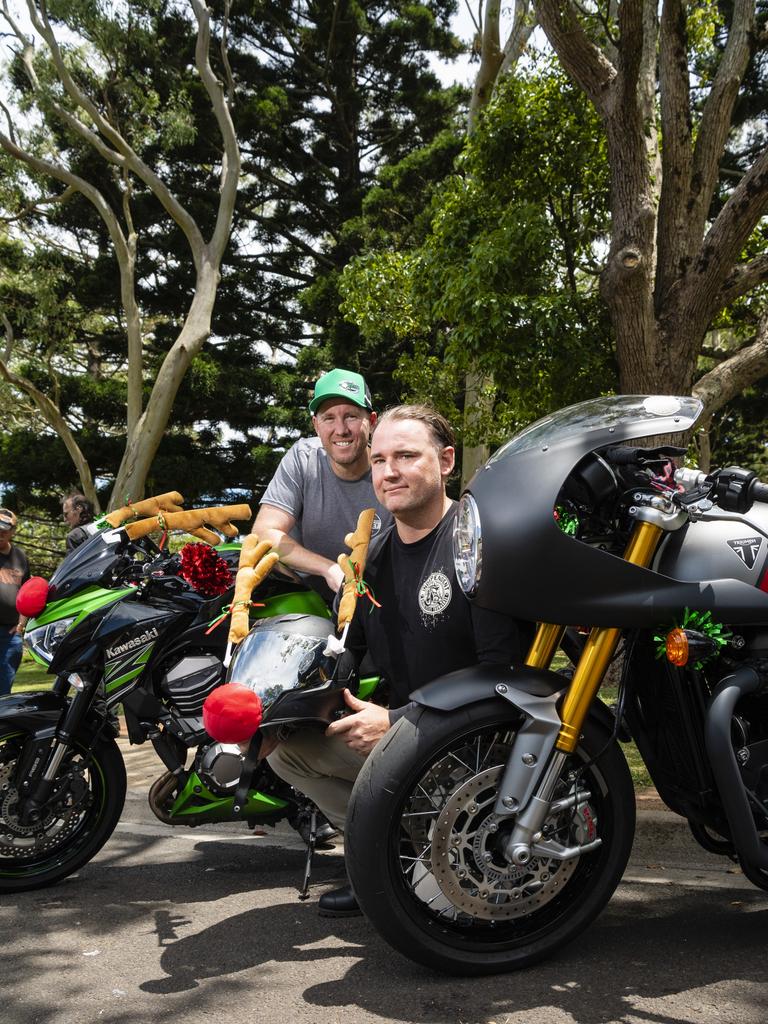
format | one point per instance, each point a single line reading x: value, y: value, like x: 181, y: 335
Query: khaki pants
x: 321, y: 767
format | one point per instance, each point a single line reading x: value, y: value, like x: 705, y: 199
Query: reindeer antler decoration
x: 256, y: 562
x: 191, y: 521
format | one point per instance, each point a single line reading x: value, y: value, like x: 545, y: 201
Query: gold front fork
x: 544, y: 645
x: 598, y: 650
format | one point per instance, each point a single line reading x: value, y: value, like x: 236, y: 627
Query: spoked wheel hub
x: 460, y: 868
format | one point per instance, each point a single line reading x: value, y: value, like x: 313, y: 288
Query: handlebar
x: 732, y: 488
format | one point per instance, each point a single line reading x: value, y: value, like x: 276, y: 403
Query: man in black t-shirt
x: 14, y: 570
x: 423, y: 628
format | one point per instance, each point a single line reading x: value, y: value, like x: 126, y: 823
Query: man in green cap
x: 323, y: 483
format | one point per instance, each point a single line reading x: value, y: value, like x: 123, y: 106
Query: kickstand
x: 311, y: 841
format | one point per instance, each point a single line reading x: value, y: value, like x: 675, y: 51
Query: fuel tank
x: 722, y: 545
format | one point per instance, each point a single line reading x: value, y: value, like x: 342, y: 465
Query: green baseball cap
x: 341, y: 384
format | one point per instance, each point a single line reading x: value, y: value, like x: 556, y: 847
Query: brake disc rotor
x: 50, y: 832
x: 468, y: 863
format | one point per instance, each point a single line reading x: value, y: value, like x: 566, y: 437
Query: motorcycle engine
x: 188, y: 682
x: 218, y: 766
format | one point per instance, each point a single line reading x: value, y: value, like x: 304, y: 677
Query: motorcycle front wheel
x: 80, y: 816
x: 424, y: 848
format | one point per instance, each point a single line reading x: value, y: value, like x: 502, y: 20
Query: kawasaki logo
x: 129, y: 645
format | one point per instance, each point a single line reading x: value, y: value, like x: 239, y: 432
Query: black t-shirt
x: 425, y: 626
x: 14, y: 570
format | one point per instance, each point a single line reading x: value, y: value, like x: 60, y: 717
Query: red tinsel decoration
x: 206, y: 570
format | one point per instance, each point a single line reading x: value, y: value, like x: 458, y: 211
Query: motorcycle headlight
x: 42, y: 641
x: 467, y: 545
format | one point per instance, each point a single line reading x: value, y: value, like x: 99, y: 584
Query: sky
x: 462, y: 71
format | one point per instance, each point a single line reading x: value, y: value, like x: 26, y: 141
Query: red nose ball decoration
x: 232, y: 713
x: 32, y: 597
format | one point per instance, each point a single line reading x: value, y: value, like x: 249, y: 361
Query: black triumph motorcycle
x: 121, y: 626
x: 495, y: 820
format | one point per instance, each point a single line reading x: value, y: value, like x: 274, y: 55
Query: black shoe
x: 339, y: 903
x: 325, y: 833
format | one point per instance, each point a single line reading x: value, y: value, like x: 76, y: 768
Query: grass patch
x: 31, y: 676
x: 640, y: 776
x: 609, y: 695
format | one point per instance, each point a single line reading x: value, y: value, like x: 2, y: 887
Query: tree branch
x: 230, y: 163
x: 54, y: 418
x: 74, y: 181
x: 743, y: 279
x: 727, y: 237
x: 522, y: 27
x: 490, y: 62
x: 61, y: 197
x: 676, y: 156
x: 169, y: 202
x: 583, y: 61
x: 715, y: 124
x: 729, y: 379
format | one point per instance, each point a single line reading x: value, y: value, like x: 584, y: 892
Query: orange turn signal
x: 677, y: 647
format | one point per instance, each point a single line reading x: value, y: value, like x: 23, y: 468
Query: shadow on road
x: 684, y: 940
x: 185, y: 926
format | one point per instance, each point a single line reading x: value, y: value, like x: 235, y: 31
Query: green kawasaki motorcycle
x: 122, y: 626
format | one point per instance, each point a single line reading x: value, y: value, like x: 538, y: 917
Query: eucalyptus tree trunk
x: 670, y: 268
x: 96, y: 124
x: 495, y: 62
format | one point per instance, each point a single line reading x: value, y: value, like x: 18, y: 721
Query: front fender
x: 534, y: 692
x: 31, y: 712
x: 479, y: 682
x: 39, y: 714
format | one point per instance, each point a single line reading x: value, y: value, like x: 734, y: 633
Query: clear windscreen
x: 631, y: 415
x: 269, y: 662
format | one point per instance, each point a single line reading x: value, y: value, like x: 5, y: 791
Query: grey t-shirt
x: 324, y: 506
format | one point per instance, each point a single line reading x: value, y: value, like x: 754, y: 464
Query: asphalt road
x: 192, y: 925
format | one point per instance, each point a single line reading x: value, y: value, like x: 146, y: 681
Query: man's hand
x: 362, y: 730
x: 334, y: 576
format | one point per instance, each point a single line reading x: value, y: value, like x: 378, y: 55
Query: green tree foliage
x: 504, y: 278
x: 325, y: 94
x: 337, y: 91
x: 106, y: 98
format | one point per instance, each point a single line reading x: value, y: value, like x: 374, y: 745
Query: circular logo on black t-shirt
x: 435, y: 594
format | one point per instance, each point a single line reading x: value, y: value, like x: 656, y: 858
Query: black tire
x: 74, y: 829
x: 431, y: 893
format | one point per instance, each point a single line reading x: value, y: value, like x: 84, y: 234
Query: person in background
x: 78, y: 515
x: 14, y: 570
x: 323, y: 483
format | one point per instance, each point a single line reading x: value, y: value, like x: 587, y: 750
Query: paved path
x: 203, y: 925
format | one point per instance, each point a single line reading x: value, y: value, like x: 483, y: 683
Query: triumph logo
x: 129, y: 645
x: 747, y: 549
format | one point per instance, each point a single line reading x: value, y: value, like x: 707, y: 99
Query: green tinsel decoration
x: 567, y: 521
x: 700, y: 622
